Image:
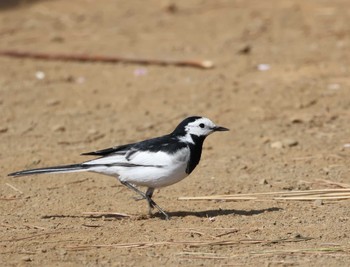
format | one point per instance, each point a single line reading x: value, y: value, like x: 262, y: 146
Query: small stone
x: 3, y: 130
x: 263, y: 181
x: 301, y: 118
x: 296, y: 120
x: 318, y: 202
x: 290, y: 142
x: 58, y: 128
x: 52, y: 102
x: 245, y: 50
x: 263, y: 67
x: 40, y: 75
x: 277, y: 145
x: 212, y: 219
x: 26, y: 258
x: 297, y: 236
x: 326, y: 170
x: 62, y: 252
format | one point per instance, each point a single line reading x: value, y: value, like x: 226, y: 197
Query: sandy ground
x: 289, y: 129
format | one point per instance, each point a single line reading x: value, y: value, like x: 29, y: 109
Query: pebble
x: 318, y: 202
x: 263, y: 67
x: 26, y: 258
x: 58, y: 128
x: 290, y: 142
x: 284, y: 143
x: 3, y: 130
x: 40, y: 75
x: 277, y: 145
x: 263, y: 181
x: 52, y: 102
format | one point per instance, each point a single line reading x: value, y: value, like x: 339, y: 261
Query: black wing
x: 111, y: 150
x: 167, y: 143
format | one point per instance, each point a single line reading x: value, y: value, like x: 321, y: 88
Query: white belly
x: 154, y: 177
x: 158, y: 169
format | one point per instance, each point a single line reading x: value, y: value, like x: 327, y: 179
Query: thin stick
x: 328, y: 182
x: 34, y: 226
x: 227, y: 233
x: 188, y: 243
x: 304, y: 250
x: 333, y: 194
x: 78, y: 181
x: 96, y: 213
x: 9, y: 198
x: 14, y: 188
x: 204, y: 64
x: 28, y: 237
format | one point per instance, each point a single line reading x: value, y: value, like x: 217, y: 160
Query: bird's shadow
x: 218, y: 212
x: 200, y: 214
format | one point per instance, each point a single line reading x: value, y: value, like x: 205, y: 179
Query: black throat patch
x: 196, y: 152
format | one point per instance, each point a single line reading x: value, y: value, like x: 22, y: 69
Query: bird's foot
x: 153, y: 205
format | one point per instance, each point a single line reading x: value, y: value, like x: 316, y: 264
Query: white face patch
x: 200, y: 127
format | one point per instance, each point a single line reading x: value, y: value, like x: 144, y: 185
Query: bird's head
x: 197, y: 126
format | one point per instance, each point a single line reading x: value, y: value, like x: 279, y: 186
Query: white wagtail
x: 153, y: 163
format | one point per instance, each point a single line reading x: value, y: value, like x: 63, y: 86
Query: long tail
x: 55, y: 169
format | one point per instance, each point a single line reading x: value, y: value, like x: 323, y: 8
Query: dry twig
x: 331, y: 183
x: 323, y: 250
x: 79, y: 181
x: 33, y: 226
x: 323, y: 194
x: 100, y: 214
x: 189, y: 243
x: 204, y: 64
x: 29, y: 237
x: 9, y: 198
x: 14, y: 188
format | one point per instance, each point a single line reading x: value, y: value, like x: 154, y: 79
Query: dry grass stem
x: 332, y: 183
x: 100, y: 214
x: 9, y: 198
x: 34, y: 226
x: 323, y: 194
x: 14, y: 188
x: 203, y: 64
x: 189, y: 243
x: 29, y: 237
x: 79, y: 181
x: 323, y: 250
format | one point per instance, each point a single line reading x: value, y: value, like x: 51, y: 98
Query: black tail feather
x: 55, y: 169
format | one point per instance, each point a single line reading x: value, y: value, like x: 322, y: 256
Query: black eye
x: 201, y: 125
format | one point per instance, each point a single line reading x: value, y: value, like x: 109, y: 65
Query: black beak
x: 220, y: 129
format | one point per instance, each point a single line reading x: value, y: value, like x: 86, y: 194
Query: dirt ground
x: 280, y: 83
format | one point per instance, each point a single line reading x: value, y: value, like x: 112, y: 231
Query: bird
x: 153, y: 163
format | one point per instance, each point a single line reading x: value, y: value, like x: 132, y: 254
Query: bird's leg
x: 151, y: 203
x: 149, y: 194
